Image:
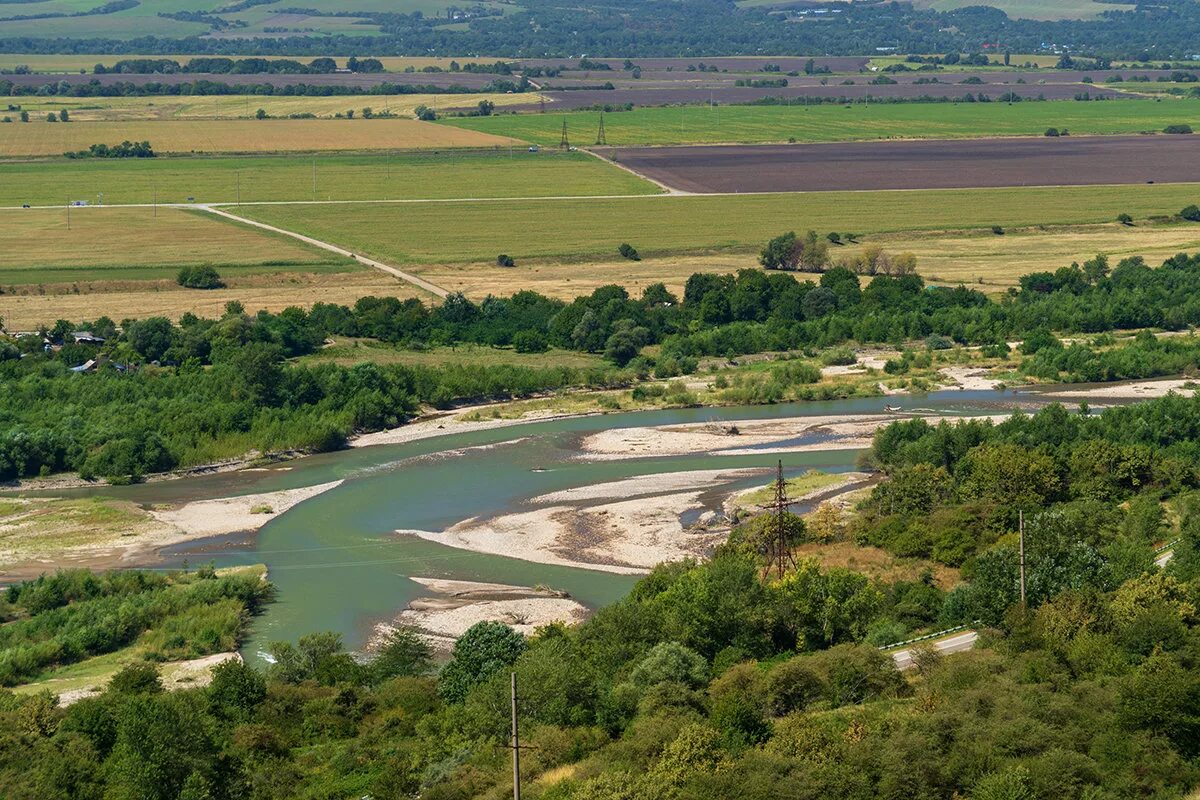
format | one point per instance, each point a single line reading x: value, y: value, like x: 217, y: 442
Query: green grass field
x: 578, y: 230
x: 350, y: 177
x: 1051, y: 10
x: 828, y: 123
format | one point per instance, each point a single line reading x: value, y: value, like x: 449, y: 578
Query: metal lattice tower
x: 563, y: 143
x: 779, y: 555
x: 600, y: 137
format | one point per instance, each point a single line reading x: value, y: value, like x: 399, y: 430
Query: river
x: 339, y: 566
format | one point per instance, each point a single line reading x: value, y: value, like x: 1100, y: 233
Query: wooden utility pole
x: 1021, y: 552
x: 516, y: 743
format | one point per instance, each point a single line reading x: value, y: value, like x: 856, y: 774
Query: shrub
x: 1052, y: 132
x: 505, y: 260
x: 1124, y: 219
x: 529, y: 342
x: 199, y: 277
x: 1177, y: 129
x: 627, y: 251
x: 1191, y: 213
x: 996, y: 229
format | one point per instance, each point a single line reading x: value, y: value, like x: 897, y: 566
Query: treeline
x: 125, y: 149
x: 1091, y: 488
x: 1164, y: 30
x: 96, y: 88
x: 239, y: 66
x: 708, y: 681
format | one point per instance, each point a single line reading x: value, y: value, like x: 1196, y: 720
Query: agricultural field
x: 921, y: 164
x: 105, y: 244
x: 325, y: 177
x: 427, y: 237
x: 157, y: 108
x: 831, y: 123
x: 240, y: 136
x: 1050, y: 10
x: 348, y: 352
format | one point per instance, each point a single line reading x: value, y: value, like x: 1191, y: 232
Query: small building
x: 87, y: 337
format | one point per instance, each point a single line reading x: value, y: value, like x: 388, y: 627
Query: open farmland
x: 74, y: 62
x: 832, y: 123
x: 325, y: 177
x: 130, y: 244
x: 1052, y: 10
x: 932, y: 164
x: 424, y: 235
x: 240, y: 136
x: 157, y: 107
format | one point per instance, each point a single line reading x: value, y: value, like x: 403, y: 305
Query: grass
x: 42, y: 138
x: 131, y: 244
x: 537, y: 231
x: 188, y: 107
x: 348, y: 352
x: 33, y: 527
x: 826, y: 123
x: 335, y: 177
x: 809, y: 482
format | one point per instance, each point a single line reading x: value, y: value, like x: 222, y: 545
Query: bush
x: 1124, y: 219
x: 199, y: 277
x: 1052, y: 132
x: 504, y: 260
x: 1177, y: 129
x: 1191, y: 213
x: 996, y: 229
x: 529, y: 342
x: 627, y: 251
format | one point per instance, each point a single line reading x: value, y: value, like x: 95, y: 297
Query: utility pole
x: 600, y: 137
x: 516, y: 743
x: 68, y: 212
x: 563, y: 143
x: 779, y: 556
x: 155, y: 187
x: 239, y: 187
x: 314, y: 177
x: 1021, y: 552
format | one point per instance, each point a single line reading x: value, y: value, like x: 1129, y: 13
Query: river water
x: 339, y: 566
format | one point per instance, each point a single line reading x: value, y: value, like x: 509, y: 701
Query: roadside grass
x: 347, y: 352
x: 42, y: 138
x: 271, y: 178
x: 548, y: 231
x: 831, y: 122
x: 27, y: 307
x: 216, y: 106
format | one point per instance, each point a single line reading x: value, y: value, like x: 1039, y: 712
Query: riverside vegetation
x: 227, y: 388
x: 712, y: 680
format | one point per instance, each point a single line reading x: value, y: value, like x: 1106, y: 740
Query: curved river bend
x: 339, y: 565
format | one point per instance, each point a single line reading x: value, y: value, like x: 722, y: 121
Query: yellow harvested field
x: 568, y: 280
x: 994, y: 263
x: 110, y: 109
x: 125, y: 299
x: 105, y: 243
x: 241, y: 136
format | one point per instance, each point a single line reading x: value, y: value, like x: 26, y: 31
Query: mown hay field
x: 831, y: 122
x: 131, y: 244
x: 592, y: 229
x: 401, y: 176
x: 240, y: 136
x: 116, y: 109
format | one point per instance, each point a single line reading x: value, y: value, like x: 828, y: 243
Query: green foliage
x: 484, y: 650
x: 202, y: 276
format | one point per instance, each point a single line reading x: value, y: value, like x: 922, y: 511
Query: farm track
x: 333, y: 248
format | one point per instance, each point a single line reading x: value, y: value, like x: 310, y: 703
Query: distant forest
x: 1163, y: 29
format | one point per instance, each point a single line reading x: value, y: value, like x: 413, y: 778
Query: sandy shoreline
x: 454, y: 606
x: 146, y: 532
x: 1135, y: 390
x: 626, y: 526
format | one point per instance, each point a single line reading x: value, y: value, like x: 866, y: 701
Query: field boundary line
x: 333, y: 248
x: 670, y: 190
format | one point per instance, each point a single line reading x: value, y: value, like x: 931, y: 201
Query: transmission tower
x: 563, y: 143
x: 600, y: 137
x: 779, y: 555
x: 542, y: 103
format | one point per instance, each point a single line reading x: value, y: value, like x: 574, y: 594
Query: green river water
x: 339, y: 565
